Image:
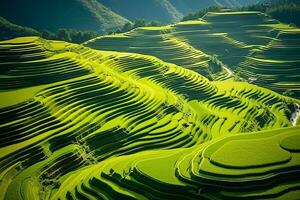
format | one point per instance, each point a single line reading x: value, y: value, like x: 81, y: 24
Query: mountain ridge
x: 100, y: 15
x: 53, y: 15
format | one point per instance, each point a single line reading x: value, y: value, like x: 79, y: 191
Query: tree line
x: 286, y: 11
x: 137, y: 23
x: 75, y: 36
x: 282, y: 10
x: 9, y: 30
x: 201, y: 13
x: 69, y: 35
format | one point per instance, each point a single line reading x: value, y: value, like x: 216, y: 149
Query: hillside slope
x: 55, y: 14
x: 65, y: 107
x: 232, y: 38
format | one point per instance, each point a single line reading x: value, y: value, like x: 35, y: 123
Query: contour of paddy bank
x: 85, y: 107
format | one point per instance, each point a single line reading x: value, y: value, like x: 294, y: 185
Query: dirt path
x: 295, y: 116
x: 230, y: 73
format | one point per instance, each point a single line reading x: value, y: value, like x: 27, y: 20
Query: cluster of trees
x: 75, y: 36
x: 201, y: 13
x: 69, y: 35
x: 215, y: 65
x: 137, y: 23
x: 282, y: 10
x: 9, y: 30
x: 287, y: 11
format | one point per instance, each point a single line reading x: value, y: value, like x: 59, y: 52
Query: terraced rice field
x: 151, y: 122
x: 250, y: 44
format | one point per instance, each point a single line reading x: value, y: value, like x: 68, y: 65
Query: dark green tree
x: 64, y: 34
x: 139, y: 23
x: 48, y: 35
x: 201, y: 13
x: 154, y: 23
x: 127, y: 27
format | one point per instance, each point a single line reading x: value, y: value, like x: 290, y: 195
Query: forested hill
x: 101, y: 15
x: 55, y: 14
x: 166, y: 10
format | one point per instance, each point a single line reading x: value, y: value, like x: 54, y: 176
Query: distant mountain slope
x: 101, y: 15
x: 55, y: 14
x: 186, y: 6
x: 165, y: 10
x: 9, y: 30
x: 161, y: 10
x: 234, y: 3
